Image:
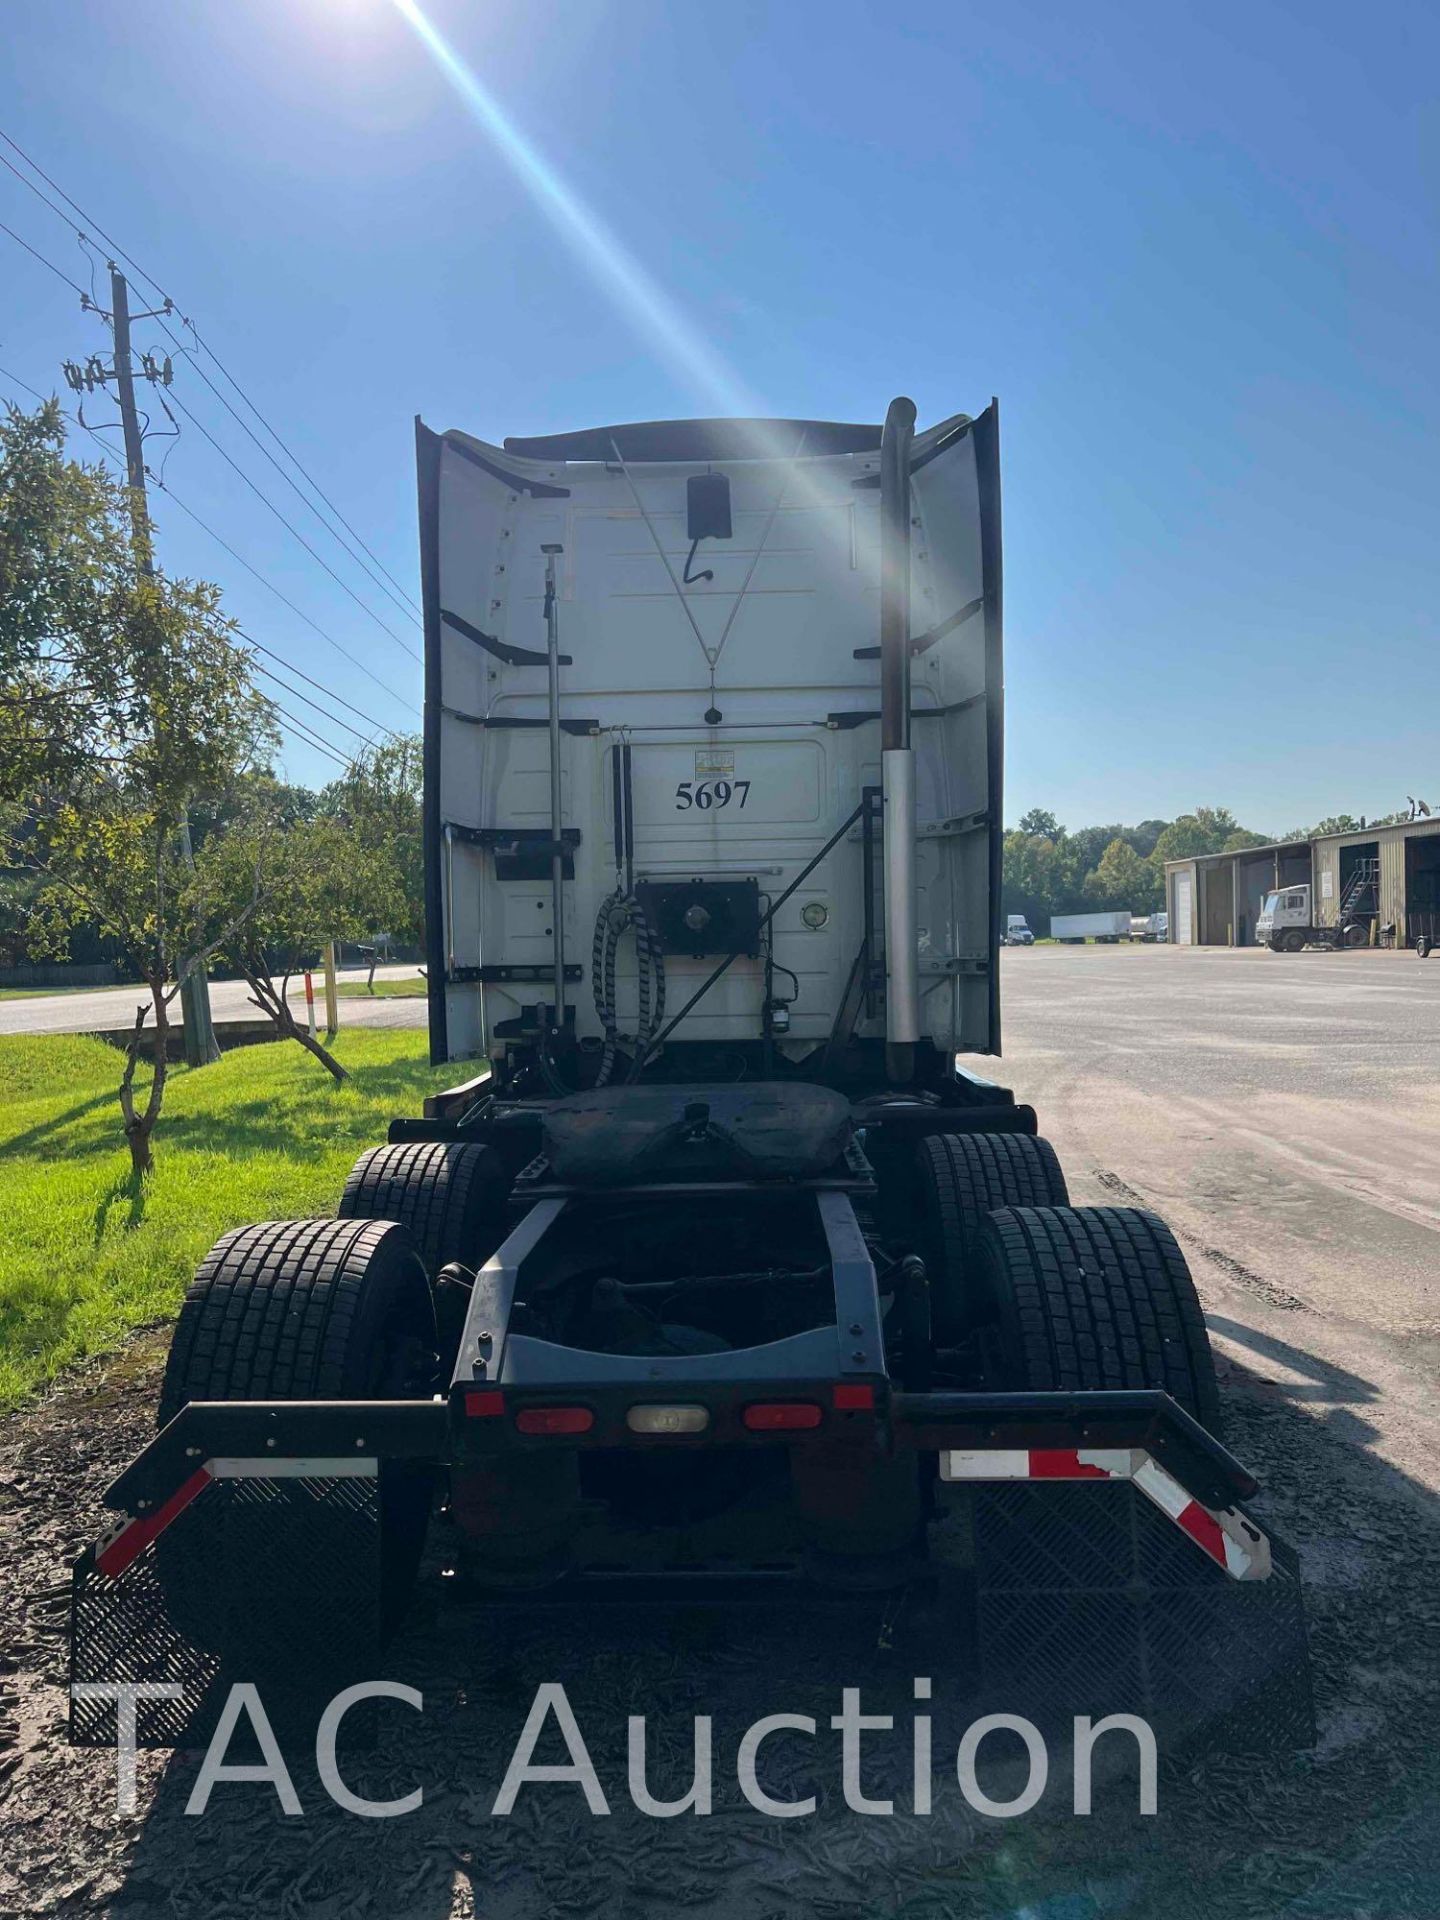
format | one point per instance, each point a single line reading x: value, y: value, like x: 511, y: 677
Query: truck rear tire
x: 962, y: 1177
x: 1096, y: 1297
x: 1293, y: 942
x: 450, y: 1194
x: 316, y: 1310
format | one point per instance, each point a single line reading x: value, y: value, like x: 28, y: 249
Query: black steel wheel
x: 1293, y: 941
x: 1092, y: 1297
x: 316, y: 1310
x: 1356, y: 934
x: 450, y: 1194
x: 962, y: 1177
x: 1424, y: 945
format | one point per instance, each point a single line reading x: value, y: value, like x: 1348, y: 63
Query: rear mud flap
x: 1086, y: 1599
x: 274, y: 1581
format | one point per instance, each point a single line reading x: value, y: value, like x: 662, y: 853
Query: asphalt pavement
x: 107, y: 1008
x: 1282, y: 1112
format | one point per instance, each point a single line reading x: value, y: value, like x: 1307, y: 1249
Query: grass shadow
x: 20, y: 1144
x: 130, y: 1186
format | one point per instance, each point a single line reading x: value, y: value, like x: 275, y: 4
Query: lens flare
x: 630, y: 286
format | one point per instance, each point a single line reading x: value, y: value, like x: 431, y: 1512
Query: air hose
x: 619, y: 913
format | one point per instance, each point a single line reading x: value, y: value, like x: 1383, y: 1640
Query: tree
x: 380, y: 800
x: 284, y: 888
x: 1143, y: 837
x: 1122, y: 879
x: 1041, y: 825
x: 1034, y: 873
x: 122, y: 697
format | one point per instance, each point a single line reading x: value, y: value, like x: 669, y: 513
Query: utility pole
x: 200, y: 1044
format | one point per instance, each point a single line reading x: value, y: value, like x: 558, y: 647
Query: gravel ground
x: 1347, y: 1829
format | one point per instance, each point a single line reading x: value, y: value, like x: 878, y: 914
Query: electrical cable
x: 621, y: 912
x: 204, y: 345
x: 402, y: 604
x: 291, y: 528
x: 246, y: 637
x: 59, y: 273
x: 377, y: 726
x: 299, y: 613
x: 305, y: 700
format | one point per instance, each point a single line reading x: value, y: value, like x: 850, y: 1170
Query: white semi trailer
x: 721, y: 1277
x: 1076, y: 928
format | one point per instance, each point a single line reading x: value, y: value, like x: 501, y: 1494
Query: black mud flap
x: 1101, y: 1560
x: 1088, y: 1600
x: 237, y: 1577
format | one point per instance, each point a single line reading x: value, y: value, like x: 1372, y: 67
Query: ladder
x: 1361, y: 898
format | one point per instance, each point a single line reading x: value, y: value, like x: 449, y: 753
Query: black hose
x: 619, y: 913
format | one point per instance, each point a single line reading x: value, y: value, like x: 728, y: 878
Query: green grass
x: 46, y: 993
x: 264, y: 1135
x: 384, y: 990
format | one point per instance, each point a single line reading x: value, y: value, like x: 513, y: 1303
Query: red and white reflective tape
x: 128, y: 1539
x: 1229, y: 1537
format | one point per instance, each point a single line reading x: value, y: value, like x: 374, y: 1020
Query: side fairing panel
x: 957, y: 698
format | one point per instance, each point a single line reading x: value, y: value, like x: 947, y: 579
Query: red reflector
x: 776, y: 1416
x: 555, y: 1420
x: 854, y: 1399
x: 484, y: 1403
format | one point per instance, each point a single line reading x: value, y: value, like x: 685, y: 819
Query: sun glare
x: 632, y: 288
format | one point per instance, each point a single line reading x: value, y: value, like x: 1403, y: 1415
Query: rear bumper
x: 979, y: 1437
x: 1094, y: 1555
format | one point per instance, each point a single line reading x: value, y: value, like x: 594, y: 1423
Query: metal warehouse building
x: 1213, y: 900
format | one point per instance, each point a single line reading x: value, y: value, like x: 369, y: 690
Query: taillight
x: 780, y: 1416
x: 483, y: 1403
x: 854, y: 1397
x: 657, y: 1419
x: 554, y: 1420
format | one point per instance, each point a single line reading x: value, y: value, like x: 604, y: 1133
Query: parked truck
x: 1017, y: 931
x: 1286, y: 921
x: 1074, y: 929
x: 716, y: 1276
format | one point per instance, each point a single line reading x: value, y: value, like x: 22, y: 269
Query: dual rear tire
x: 311, y: 1310
x: 1061, y: 1298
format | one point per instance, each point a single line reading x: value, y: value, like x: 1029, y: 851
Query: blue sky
x: 1193, y: 249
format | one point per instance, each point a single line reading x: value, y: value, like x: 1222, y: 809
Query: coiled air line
x: 621, y: 912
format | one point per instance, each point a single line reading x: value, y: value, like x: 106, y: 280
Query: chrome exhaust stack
x: 897, y: 759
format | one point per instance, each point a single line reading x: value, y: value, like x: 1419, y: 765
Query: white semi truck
x: 719, y: 1277
x: 1286, y: 921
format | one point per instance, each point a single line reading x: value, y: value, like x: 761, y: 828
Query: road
x: 1282, y: 1111
x: 107, y: 1008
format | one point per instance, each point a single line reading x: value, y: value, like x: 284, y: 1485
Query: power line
x: 311, y: 739
x: 200, y: 341
x: 397, y: 599
x: 299, y: 613
x: 295, y: 725
x: 319, y: 685
x: 289, y: 525
x: 246, y: 637
x: 168, y: 298
x: 36, y: 255
x: 305, y: 700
